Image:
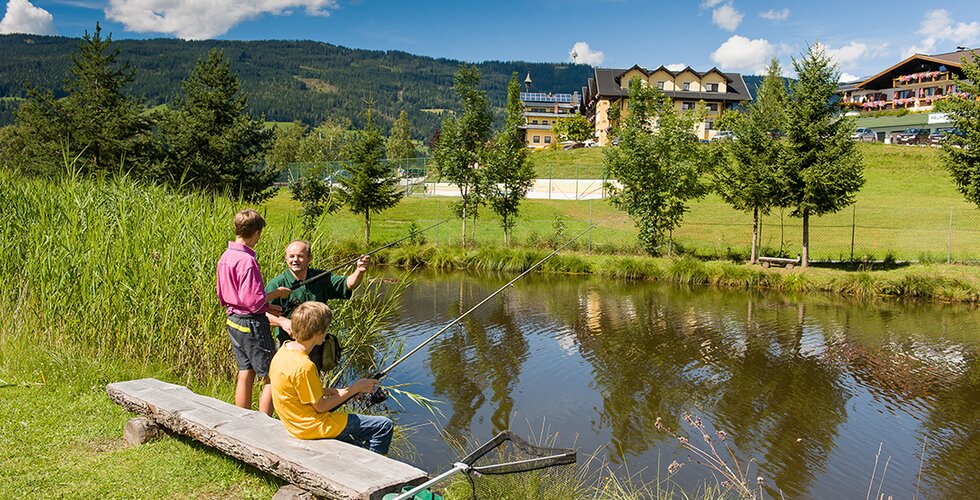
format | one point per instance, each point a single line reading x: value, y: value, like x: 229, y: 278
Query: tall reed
x: 114, y: 268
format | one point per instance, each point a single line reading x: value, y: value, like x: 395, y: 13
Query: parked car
x: 864, y: 135
x: 913, y: 136
x: 936, y: 138
x: 723, y: 135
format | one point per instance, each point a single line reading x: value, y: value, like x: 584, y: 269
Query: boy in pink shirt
x: 241, y: 293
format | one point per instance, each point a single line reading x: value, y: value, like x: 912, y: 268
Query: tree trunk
x: 464, y: 219
x: 755, y: 235
x: 367, y: 228
x: 806, y: 239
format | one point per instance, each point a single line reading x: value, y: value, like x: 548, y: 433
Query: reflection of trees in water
x: 779, y: 402
x: 953, y: 431
x: 488, y: 349
x: 767, y: 370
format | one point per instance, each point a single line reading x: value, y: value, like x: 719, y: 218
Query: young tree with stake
x: 821, y: 169
x: 370, y: 185
x: 746, y: 177
x: 508, y: 171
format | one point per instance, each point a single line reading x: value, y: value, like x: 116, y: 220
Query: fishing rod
x: 379, y: 395
x: 307, y: 281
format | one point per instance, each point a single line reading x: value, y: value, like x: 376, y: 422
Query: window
x: 687, y: 85
x: 547, y: 139
x: 712, y: 87
x: 687, y: 105
x: 544, y: 122
x: 660, y: 84
x: 534, y: 122
x: 713, y: 106
x: 709, y: 124
x: 536, y: 139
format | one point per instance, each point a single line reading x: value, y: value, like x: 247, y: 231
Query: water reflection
x: 808, y: 388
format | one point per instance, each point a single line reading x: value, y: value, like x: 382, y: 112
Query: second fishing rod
x: 380, y: 394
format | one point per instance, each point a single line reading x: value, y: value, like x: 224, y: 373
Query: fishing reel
x: 380, y: 395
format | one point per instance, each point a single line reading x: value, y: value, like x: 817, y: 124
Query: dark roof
x: 954, y: 57
x: 606, y: 81
x: 914, y: 63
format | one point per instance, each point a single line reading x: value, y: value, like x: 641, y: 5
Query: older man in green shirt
x: 298, y: 257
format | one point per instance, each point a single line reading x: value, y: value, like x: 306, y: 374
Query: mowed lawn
x: 903, y: 211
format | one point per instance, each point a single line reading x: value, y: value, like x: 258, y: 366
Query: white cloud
x: 849, y: 55
x: 708, y: 4
x: 676, y: 67
x: 741, y: 54
x: 775, y: 15
x: 726, y: 17
x: 581, y: 53
x: 847, y: 78
x: 938, y: 26
x: 23, y: 17
x: 195, y: 20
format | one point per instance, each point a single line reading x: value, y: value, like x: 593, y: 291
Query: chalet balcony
x: 920, y: 78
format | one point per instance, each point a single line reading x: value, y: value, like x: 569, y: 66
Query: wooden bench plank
x: 327, y: 467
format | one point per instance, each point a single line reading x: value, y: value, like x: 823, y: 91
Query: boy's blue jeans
x: 366, y: 431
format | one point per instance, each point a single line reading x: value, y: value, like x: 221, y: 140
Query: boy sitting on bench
x: 304, y: 405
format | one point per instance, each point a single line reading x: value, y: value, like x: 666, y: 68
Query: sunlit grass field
x: 902, y: 212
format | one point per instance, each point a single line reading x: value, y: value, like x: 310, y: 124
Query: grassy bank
x: 935, y: 282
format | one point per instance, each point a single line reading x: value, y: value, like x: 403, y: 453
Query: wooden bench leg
x: 292, y: 492
x: 140, y: 430
x: 765, y: 265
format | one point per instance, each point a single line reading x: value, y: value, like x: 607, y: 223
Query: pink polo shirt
x: 240, y: 288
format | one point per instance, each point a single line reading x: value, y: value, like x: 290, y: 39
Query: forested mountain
x: 284, y: 80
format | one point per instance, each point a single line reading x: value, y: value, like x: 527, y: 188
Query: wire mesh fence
x: 861, y: 232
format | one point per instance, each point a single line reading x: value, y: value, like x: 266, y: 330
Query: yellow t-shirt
x: 295, y: 388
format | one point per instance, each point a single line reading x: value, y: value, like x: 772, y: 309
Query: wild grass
x: 112, y: 279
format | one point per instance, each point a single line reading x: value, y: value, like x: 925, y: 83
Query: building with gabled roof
x: 915, y: 83
x: 609, y: 89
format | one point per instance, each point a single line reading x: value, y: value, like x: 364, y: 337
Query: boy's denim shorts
x: 251, y: 341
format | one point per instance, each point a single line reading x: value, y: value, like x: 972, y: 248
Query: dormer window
x: 712, y: 87
x: 660, y: 84
x: 687, y: 85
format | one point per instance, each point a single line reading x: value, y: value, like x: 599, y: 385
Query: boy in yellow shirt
x: 300, y: 399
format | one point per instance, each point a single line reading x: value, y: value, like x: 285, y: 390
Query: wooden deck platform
x: 326, y: 468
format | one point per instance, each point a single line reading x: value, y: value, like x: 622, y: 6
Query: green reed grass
x: 120, y: 269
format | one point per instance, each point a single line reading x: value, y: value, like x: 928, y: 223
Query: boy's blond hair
x: 248, y: 222
x: 310, y: 319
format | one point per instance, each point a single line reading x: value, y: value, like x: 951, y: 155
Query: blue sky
x: 734, y: 35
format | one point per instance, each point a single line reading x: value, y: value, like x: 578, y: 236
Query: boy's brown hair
x: 310, y: 319
x: 248, y: 222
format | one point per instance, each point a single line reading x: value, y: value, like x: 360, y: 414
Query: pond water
x: 807, y: 388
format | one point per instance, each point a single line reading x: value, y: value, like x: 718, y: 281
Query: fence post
x: 949, y: 240
x: 549, y: 179
x: 853, y: 219
x: 590, y: 225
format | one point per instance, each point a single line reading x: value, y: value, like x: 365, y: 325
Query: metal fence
x: 712, y: 229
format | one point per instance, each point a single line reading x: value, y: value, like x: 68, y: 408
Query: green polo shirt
x: 326, y: 288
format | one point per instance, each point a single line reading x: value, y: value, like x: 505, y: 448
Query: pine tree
x: 821, y: 169
x: 369, y: 184
x: 400, y: 145
x: 211, y: 141
x: 659, y: 164
x: 746, y: 177
x: 961, y: 153
x: 95, y: 120
x: 509, y: 173
x: 462, y: 142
